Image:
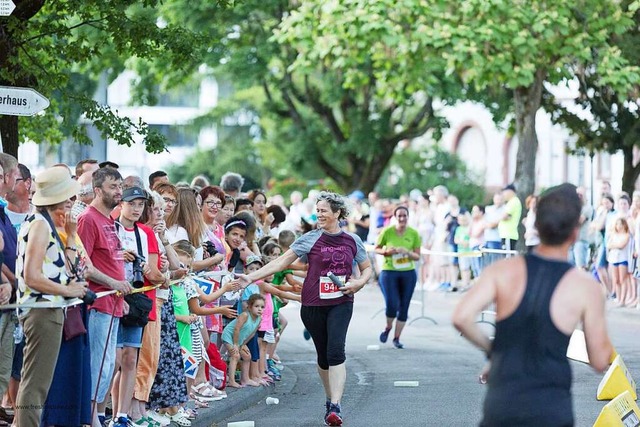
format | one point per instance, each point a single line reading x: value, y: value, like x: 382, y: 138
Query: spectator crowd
x: 124, y: 310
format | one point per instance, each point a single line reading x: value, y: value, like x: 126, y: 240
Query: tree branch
x: 324, y: 112
x: 294, y: 113
x: 279, y: 111
x: 51, y: 33
x: 418, y: 125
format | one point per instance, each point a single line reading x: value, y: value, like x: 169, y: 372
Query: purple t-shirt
x: 325, y: 252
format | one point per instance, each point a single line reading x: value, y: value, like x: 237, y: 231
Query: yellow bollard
x: 621, y: 411
x: 616, y: 380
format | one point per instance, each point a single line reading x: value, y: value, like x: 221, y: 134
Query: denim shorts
x: 130, y: 336
x: 98, y: 329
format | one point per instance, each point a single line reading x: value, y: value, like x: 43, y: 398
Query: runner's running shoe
x: 384, y: 336
x: 333, y: 418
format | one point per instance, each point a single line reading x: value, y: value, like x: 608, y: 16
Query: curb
x: 239, y: 400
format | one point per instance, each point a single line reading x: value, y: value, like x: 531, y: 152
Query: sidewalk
x: 240, y: 399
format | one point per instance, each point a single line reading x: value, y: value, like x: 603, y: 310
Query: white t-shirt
x: 128, y: 239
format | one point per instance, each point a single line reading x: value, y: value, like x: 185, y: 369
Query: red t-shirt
x: 100, y: 239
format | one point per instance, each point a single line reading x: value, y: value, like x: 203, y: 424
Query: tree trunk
x: 527, y: 102
x: 9, y: 135
x: 631, y: 171
x: 366, y: 172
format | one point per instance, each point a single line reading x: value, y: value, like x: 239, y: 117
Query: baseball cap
x: 253, y: 258
x: 133, y: 193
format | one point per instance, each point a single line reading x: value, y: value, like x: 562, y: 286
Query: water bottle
x: 18, y: 334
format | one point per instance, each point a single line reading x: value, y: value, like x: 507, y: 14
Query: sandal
x: 206, y: 392
x: 199, y: 401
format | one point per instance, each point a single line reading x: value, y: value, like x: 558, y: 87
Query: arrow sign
x: 6, y: 7
x: 21, y: 101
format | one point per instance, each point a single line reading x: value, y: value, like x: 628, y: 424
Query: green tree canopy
x: 338, y: 95
x: 609, y: 118
x: 523, y: 44
x: 61, y: 47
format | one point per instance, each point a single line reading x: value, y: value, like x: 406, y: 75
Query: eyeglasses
x: 213, y: 203
x: 170, y: 201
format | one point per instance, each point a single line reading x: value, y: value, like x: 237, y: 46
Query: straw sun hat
x: 53, y: 186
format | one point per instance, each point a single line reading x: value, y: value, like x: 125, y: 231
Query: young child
x: 237, y: 334
x: 187, y: 300
x: 252, y: 377
x: 618, y: 256
x: 272, y: 250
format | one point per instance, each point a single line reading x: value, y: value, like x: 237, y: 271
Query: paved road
x: 435, y: 355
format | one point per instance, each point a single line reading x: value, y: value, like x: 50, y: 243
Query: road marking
x: 406, y: 383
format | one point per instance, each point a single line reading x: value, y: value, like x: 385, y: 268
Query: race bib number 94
x: 328, y: 290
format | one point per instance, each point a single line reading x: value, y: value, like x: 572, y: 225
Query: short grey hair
x: 336, y: 202
x: 231, y: 181
x: 132, y: 181
x: 8, y: 162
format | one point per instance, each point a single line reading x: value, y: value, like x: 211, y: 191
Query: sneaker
x: 120, y: 422
x: 327, y: 405
x: 271, y: 365
x: 275, y: 374
x: 333, y: 418
x: 159, y: 418
x: 384, y: 336
x: 397, y: 343
x: 306, y: 335
x: 145, y: 422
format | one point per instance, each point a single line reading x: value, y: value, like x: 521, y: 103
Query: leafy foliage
x: 325, y: 104
x: 61, y: 48
x: 607, y: 119
x: 519, y: 46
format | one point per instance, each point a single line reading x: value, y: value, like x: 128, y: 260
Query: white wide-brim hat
x: 53, y: 186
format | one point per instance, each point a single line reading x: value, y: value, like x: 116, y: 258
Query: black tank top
x: 530, y: 377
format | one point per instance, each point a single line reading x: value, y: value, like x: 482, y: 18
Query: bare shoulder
x: 506, y: 270
x: 583, y: 283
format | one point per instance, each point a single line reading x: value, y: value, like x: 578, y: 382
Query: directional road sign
x: 6, y: 7
x: 21, y: 101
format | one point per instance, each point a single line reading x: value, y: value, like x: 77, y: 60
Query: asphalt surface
x: 445, y: 365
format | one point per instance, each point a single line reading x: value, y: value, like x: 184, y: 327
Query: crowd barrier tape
x: 73, y: 301
x: 475, y: 254
x: 616, y: 380
x: 621, y: 411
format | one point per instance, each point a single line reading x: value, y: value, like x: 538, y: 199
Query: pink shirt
x: 267, y: 314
